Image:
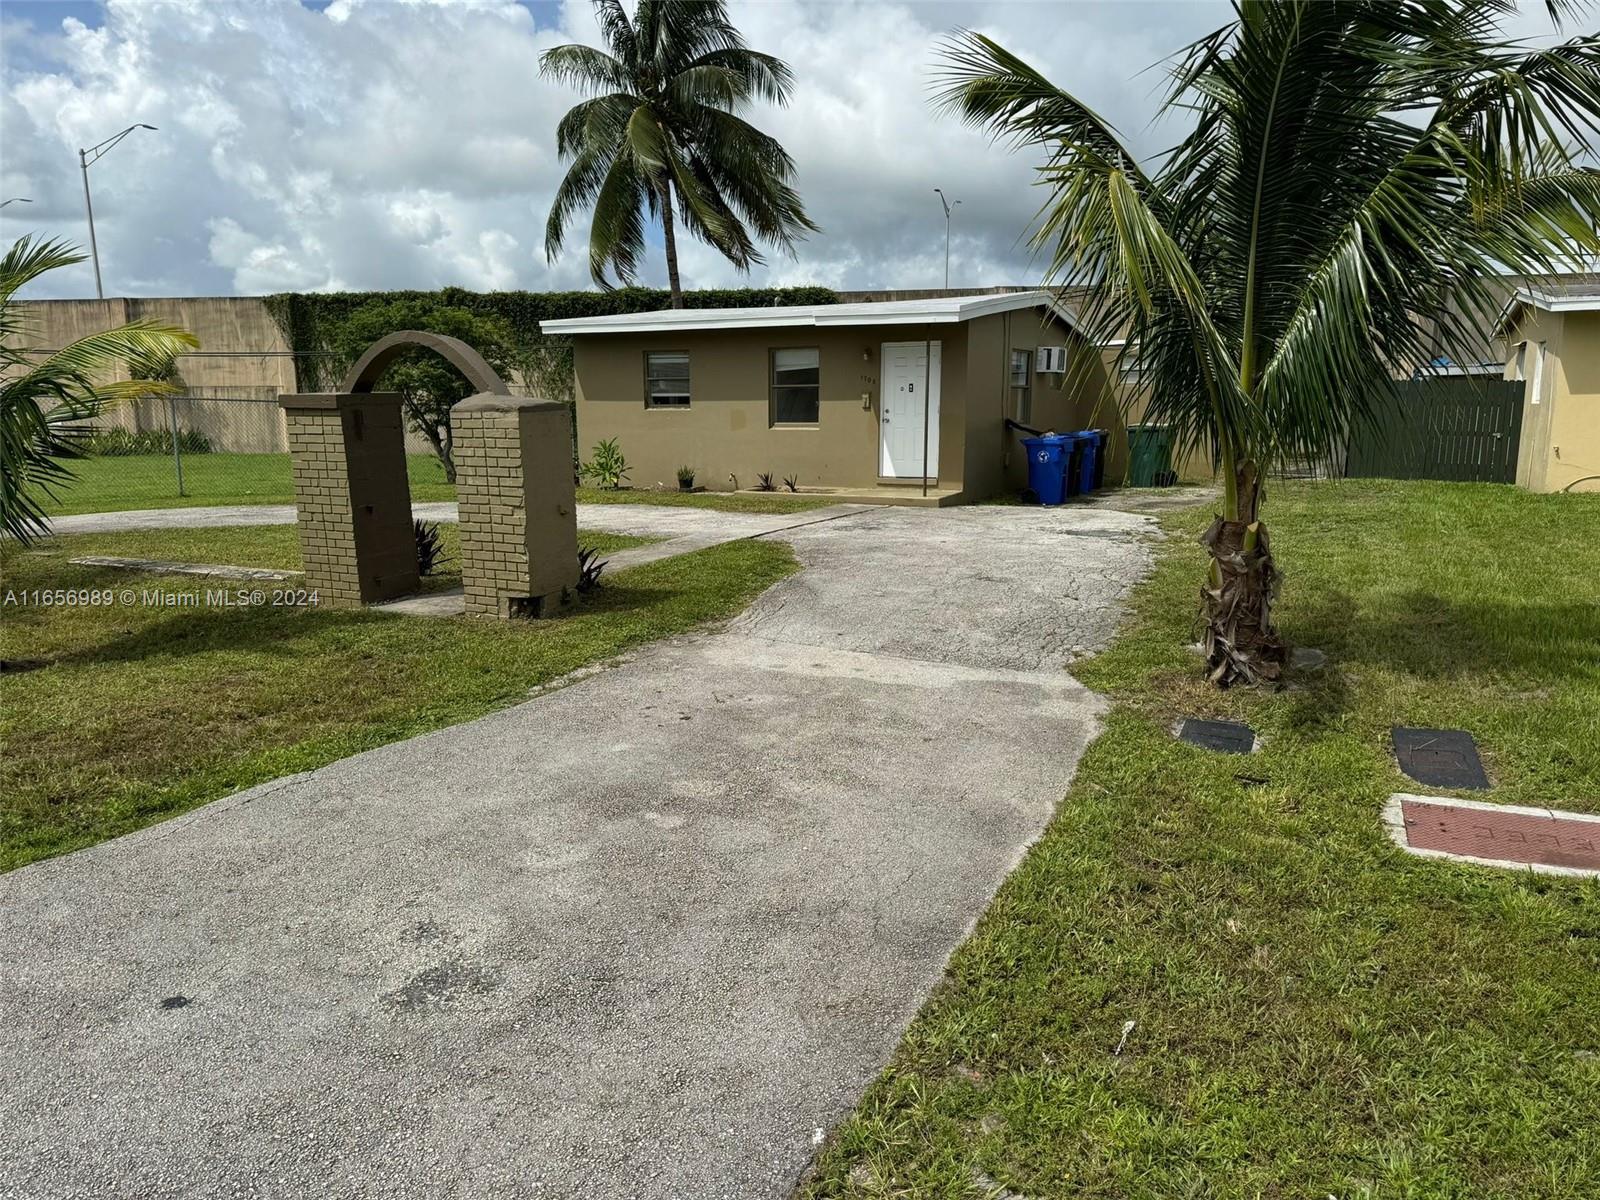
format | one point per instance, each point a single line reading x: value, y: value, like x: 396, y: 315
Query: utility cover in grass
x: 1444, y: 758
x: 1496, y: 835
x: 1230, y: 737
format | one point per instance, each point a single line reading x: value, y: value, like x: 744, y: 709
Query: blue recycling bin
x: 1101, y: 438
x: 1048, y: 457
x: 1089, y: 453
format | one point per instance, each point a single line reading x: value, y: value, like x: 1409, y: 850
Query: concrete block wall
x: 518, y: 515
x: 351, y: 496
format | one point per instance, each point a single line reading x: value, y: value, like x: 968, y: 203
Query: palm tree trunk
x: 672, y: 246
x: 1240, y: 642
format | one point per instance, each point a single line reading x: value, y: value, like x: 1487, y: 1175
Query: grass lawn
x: 1318, y: 1014
x: 145, y: 712
x: 266, y: 546
x: 148, y: 481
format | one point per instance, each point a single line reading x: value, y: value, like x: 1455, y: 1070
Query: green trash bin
x: 1149, y: 455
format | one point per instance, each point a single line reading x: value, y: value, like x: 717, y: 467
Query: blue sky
x: 410, y: 143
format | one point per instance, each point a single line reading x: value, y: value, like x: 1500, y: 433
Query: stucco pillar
x: 518, y: 513
x: 351, y: 496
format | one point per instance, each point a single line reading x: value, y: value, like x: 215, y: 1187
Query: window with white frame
x: 796, y: 386
x: 1022, y: 386
x: 666, y: 379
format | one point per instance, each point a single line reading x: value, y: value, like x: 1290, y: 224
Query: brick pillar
x: 353, y: 501
x: 519, y: 525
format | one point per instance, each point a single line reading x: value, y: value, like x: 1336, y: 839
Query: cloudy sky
x: 344, y: 144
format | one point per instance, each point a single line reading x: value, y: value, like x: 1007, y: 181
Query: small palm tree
x: 1351, y: 165
x: 661, y: 136
x: 44, y: 401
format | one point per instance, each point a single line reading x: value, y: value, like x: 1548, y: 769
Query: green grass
x: 267, y: 546
x: 145, y: 712
x: 148, y: 481
x: 1318, y: 1014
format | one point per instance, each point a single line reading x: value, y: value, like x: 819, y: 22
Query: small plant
x: 686, y: 479
x: 764, y: 482
x: 590, y: 564
x: 792, y: 482
x: 430, y: 546
x: 121, y: 443
x: 608, y: 467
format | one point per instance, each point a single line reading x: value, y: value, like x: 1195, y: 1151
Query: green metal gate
x: 1464, y: 429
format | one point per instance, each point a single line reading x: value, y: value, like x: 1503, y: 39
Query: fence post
x: 177, y: 455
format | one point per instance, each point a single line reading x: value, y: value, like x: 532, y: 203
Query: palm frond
x: 45, y: 399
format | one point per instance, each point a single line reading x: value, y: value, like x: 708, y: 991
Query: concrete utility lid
x: 1495, y: 835
x: 1230, y: 737
x: 1442, y: 758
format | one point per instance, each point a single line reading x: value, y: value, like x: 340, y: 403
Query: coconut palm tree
x: 661, y: 136
x: 1349, y: 166
x: 44, y: 401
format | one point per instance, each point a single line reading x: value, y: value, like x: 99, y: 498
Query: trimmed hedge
x: 310, y: 321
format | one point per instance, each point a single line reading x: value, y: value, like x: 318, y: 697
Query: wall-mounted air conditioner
x: 1052, y: 360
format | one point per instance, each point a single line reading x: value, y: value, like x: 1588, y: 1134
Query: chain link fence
x: 220, y: 446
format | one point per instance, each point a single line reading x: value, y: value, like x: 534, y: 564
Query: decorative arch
x: 369, y: 368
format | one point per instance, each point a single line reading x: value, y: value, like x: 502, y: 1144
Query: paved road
x: 639, y: 936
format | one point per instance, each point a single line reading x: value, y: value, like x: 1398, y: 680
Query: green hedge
x: 121, y: 443
x: 309, y: 321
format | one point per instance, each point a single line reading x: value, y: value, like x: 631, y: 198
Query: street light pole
x: 85, y: 158
x: 16, y: 200
x: 948, y: 206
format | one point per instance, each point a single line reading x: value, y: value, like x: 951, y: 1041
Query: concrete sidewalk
x: 640, y: 936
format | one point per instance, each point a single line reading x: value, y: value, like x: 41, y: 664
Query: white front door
x: 907, y: 374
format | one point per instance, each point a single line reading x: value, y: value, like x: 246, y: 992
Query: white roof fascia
x: 941, y: 310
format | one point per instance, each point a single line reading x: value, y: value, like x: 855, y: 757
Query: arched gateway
x: 519, y: 536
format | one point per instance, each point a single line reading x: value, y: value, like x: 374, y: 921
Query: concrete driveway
x: 641, y: 936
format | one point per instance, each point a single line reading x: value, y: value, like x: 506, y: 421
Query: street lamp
x: 15, y: 200
x: 93, y: 155
x: 948, y: 206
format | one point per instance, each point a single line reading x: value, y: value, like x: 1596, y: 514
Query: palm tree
x: 661, y: 136
x: 44, y: 401
x: 1350, y: 166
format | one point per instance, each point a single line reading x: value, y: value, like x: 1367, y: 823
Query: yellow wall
x: 1575, y: 407
x: 1560, y: 446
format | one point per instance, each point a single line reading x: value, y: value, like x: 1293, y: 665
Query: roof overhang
x: 1556, y: 302
x: 943, y: 310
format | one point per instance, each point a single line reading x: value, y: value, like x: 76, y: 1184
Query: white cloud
x: 410, y: 143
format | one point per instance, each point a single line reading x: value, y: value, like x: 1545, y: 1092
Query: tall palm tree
x: 44, y: 401
x: 1351, y: 165
x: 661, y: 135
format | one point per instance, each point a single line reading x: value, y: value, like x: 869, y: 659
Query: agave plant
x: 46, y: 400
x: 1350, y: 166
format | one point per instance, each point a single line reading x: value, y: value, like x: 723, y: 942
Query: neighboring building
x: 836, y: 394
x: 232, y: 381
x: 1552, y: 335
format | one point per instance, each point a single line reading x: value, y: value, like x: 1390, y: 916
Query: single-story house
x: 1552, y: 335
x: 875, y: 398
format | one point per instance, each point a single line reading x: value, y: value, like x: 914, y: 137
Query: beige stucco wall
x: 242, y: 357
x: 726, y: 429
x: 1079, y: 398
x: 1560, y: 445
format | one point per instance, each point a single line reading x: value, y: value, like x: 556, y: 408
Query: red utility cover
x: 1517, y: 837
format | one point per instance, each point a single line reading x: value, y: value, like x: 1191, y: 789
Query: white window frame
x: 652, y: 394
